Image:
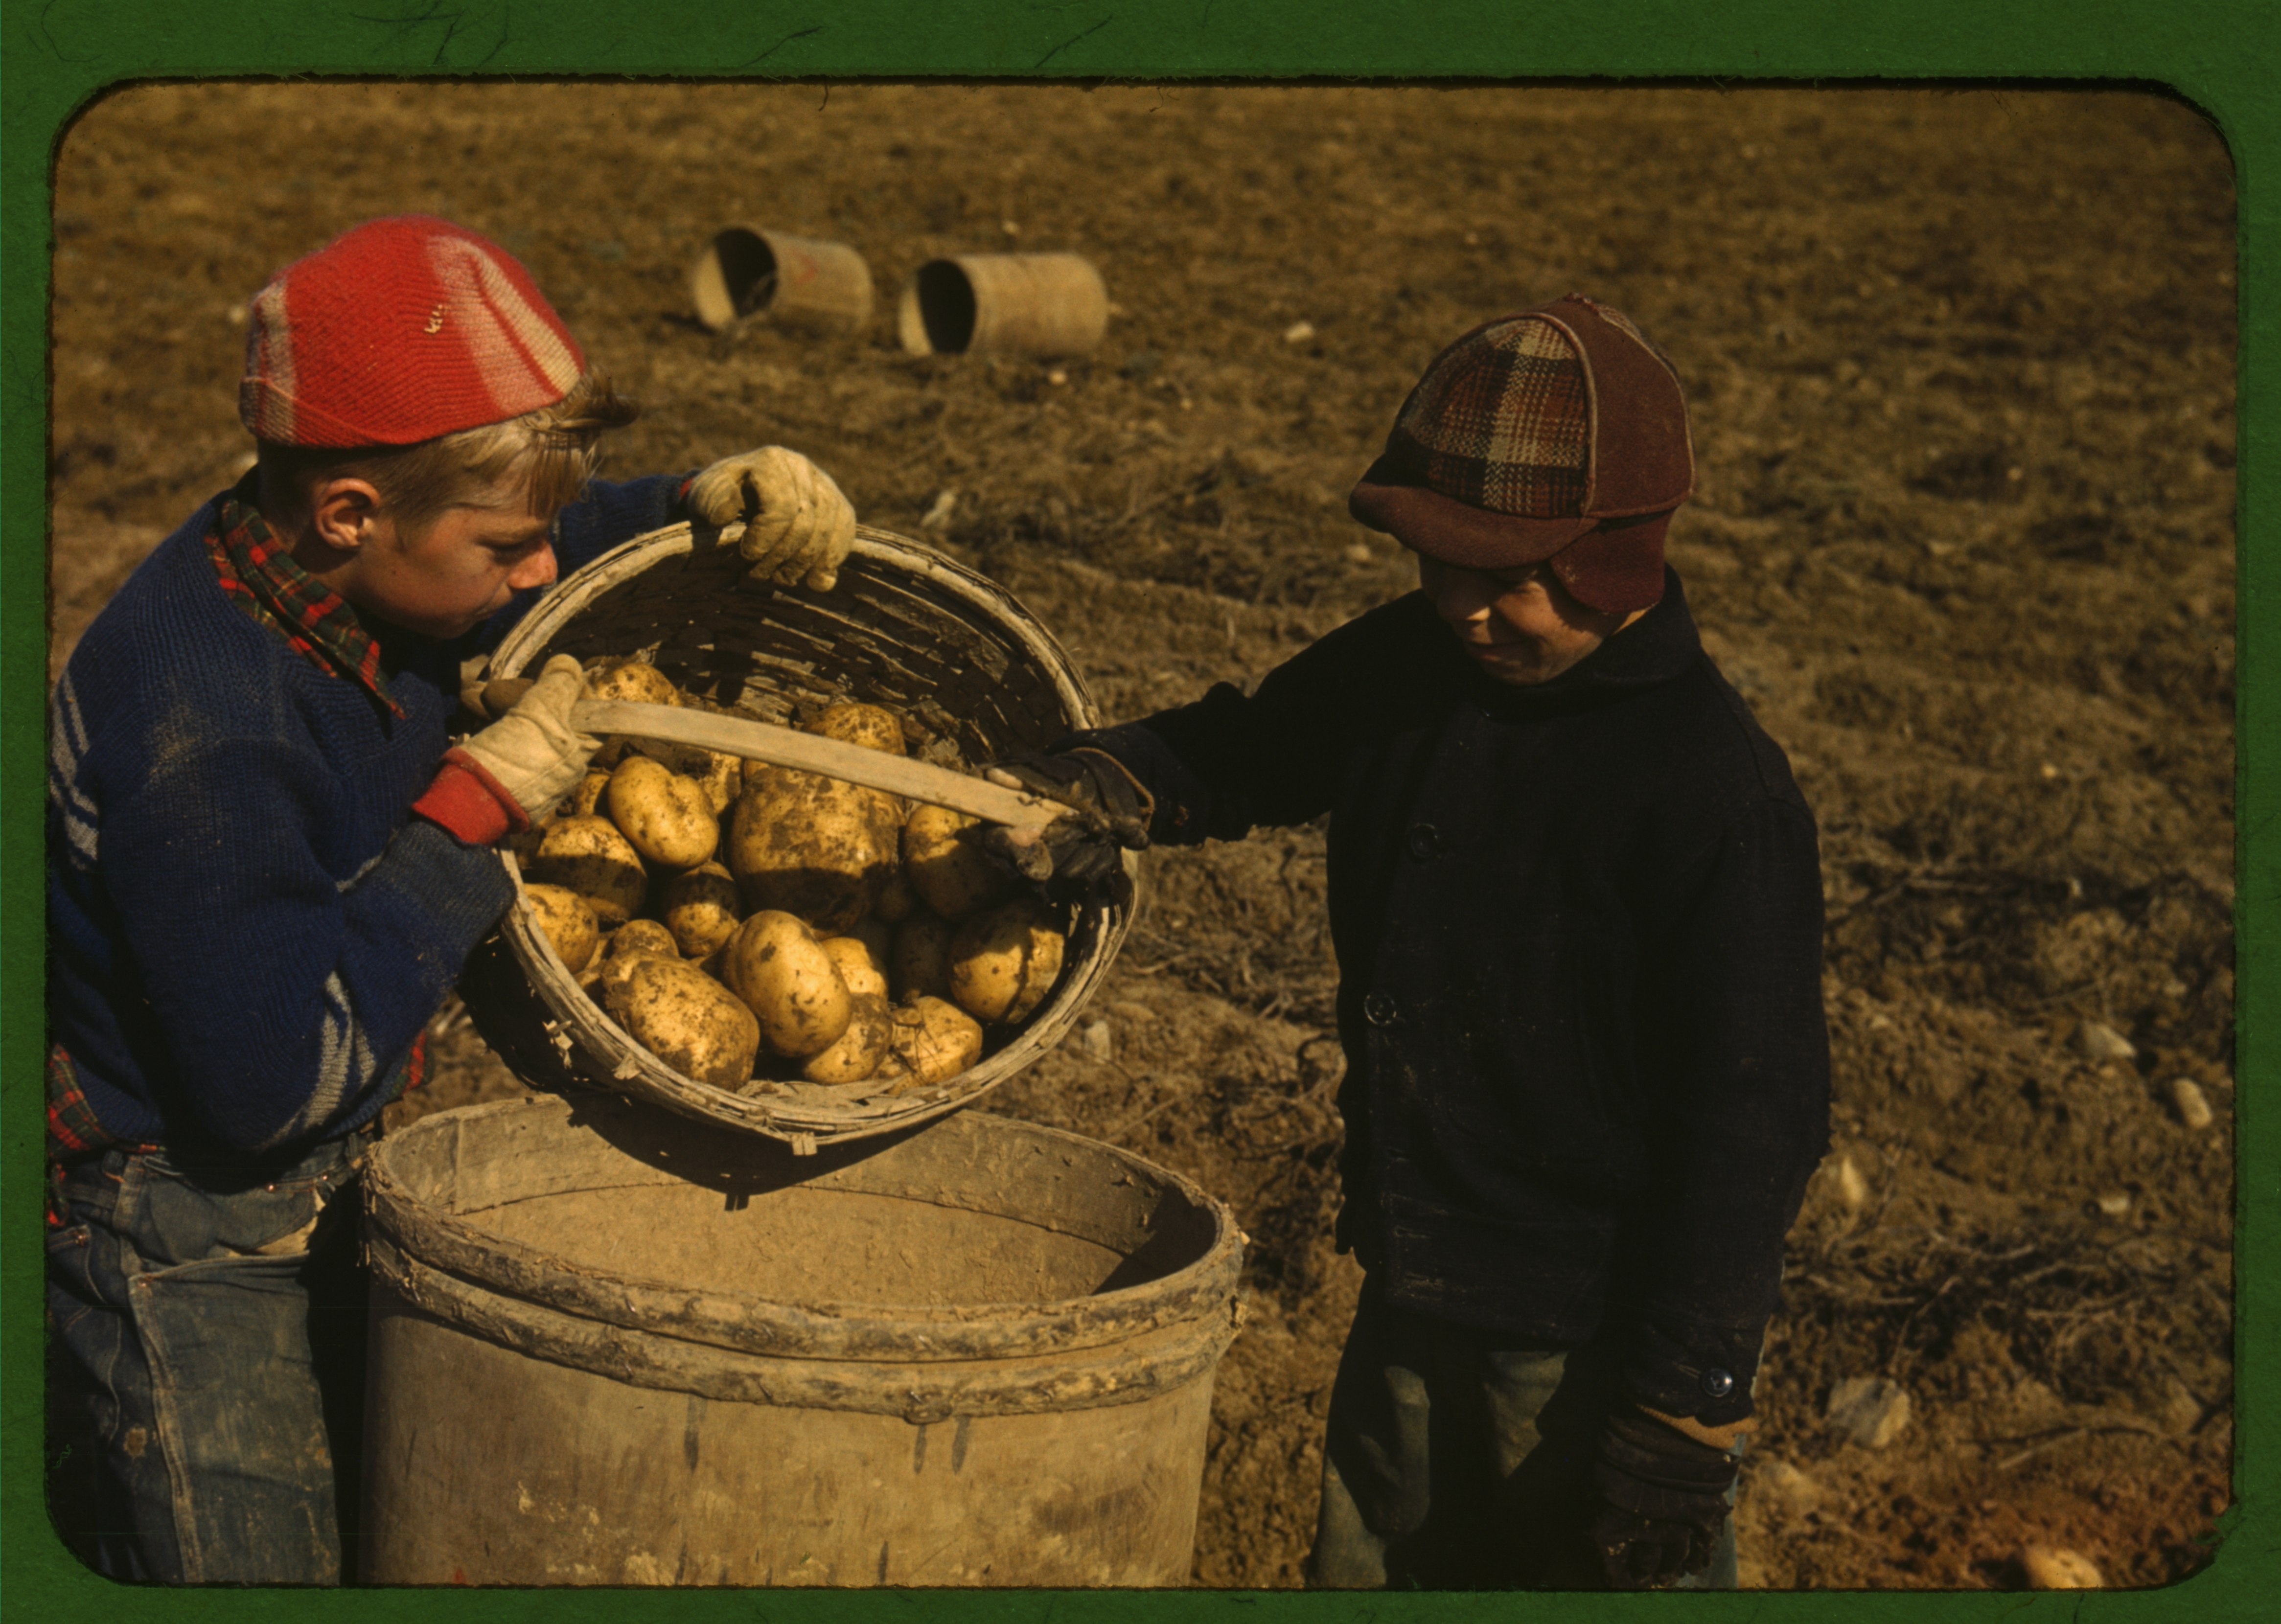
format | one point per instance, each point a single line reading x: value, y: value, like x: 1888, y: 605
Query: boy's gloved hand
x: 1110, y: 813
x: 798, y: 527
x: 532, y: 752
x: 1660, y: 1500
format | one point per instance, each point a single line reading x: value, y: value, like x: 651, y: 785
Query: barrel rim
x: 453, y: 1246
x: 574, y: 1022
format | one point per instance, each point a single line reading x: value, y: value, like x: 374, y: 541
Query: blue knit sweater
x: 247, y: 928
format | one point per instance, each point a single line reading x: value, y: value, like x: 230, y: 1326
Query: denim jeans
x: 1456, y: 1459
x: 205, y: 1351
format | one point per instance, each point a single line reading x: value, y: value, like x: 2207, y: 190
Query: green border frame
x: 2223, y: 56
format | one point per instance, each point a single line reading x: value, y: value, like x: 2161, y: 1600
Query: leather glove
x: 1660, y: 1502
x: 1079, y: 853
x: 798, y: 527
x: 533, y: 752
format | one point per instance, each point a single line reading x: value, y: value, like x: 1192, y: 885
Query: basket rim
x: 572, y: 594
x: 574, y: 1021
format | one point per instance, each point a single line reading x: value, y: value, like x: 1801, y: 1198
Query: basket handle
x: 784, y: 746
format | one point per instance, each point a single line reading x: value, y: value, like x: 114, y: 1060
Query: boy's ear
x: 341, y: 511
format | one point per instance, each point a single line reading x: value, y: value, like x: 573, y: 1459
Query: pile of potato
x: 750, y: 924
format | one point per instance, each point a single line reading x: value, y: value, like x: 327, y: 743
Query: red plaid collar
x: 262, y: 579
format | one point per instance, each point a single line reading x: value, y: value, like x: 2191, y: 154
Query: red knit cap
x: 401, y: 330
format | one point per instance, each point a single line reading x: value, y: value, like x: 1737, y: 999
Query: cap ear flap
x: 1616, y: 569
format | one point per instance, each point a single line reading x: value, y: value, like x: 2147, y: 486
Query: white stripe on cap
x: 523, y: 362
x: 268, y: 409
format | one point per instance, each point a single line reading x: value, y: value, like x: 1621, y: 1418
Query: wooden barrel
x: 611, y: 1347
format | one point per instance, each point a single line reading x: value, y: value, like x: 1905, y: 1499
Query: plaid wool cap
x: 1558, y: 433
x: 400, y: 330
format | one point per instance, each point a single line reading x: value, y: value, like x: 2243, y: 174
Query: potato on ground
x: 859, y: 1050
x: 811, y: 846
x: 868, y: 725
x: 569, y: 922
x: 686, y: 1019
x: 701, y: 909
x: 665, y: 814
x: 1002, y: 963
x: 947, y: 865
x: 589, y: 855
x: 918, y: 964
x: 936, y: 1039
x: 781, y: 972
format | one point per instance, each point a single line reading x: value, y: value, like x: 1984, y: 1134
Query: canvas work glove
x: 1660, y: 1502
x: 532, y: 752
x: 1081, y: 852
x: 798, y: 527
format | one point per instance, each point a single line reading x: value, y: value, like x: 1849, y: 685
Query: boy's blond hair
x: 555, y: 449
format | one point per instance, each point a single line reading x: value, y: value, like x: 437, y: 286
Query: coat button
x: 1377, y: 1009
x: 1425, y: 841
x: 1717, y: 1383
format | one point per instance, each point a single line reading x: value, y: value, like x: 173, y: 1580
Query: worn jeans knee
x: 202, y: 1346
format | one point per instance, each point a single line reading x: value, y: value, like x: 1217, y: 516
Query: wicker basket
x: 905, y: 628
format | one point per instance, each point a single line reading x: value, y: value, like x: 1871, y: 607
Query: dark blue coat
x: 246, y: 929
x: 1578, y: 928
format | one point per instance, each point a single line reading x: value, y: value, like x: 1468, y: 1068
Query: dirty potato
x: 632, y: 682
x: 859, y: 1050
x: 641, y: 936
x: 863, y: 972
x: 867, y: 725
x: 878, y: 937
x: 586, y: 800
x: 724, y: 777
x: 918, y: 963
x: 811, y: 846
x: 948, y: 867
x: 701, y: 909
x: 665, y: 814
x: 896, y: 899
x: 589, y: 855
x: 936, y: 1039
x: 635, y: 940
x: 569, y: 922
x: 781, y: 972
x: 686, y: 1019
x: 628, y: 682
x: 1002, y: 963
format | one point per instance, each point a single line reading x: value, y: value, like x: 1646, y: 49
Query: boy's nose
x: 536, y: 570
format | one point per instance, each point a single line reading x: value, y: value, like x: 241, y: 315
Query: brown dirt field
x: 1961, y: 370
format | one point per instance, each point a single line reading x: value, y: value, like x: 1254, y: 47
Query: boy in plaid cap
x: 267, y: 865
x: 1577, y: 905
